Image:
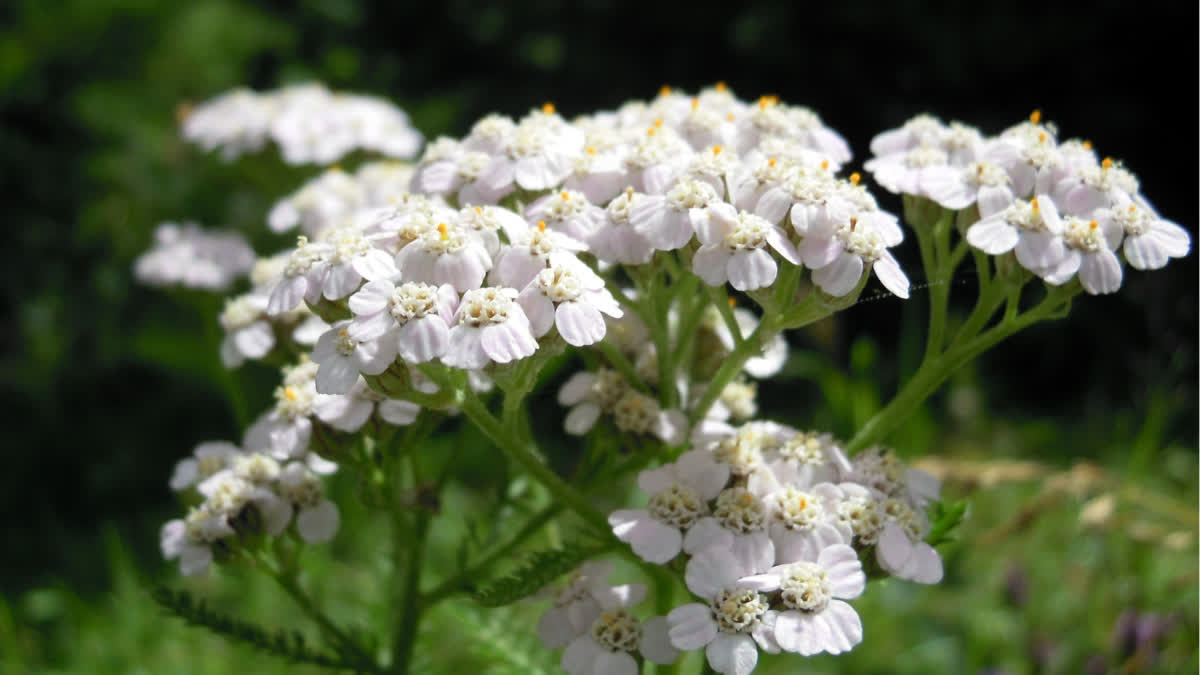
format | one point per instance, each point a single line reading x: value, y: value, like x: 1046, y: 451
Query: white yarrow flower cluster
x: 309, y: 123
x: 189, y: 256
x: 1057, y: 206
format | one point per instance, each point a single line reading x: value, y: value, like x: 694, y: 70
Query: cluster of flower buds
x: 769, y: 524
x: 1058, y: 207
x: 309, y: 123
x: 187, y: 255
x: 244, y: 495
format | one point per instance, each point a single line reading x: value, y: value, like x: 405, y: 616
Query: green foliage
x: 485, y: 642
x: 289, y: 645
x: 540, y: 569
x: 944, y: 518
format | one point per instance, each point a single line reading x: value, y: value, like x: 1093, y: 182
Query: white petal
x: 614, y: 663
x: 700, y: 471
x: 255, y: 340
x: 400, y: 413
x: 465, y: 349
x: 651, y: 540
x: 840, y: 277
x: 800, y: 633
x: 732, y: 654
x: 579, y: 324
x: 818, y: 252
x: 705, y: 534
x: 1100, y: 272
x: 336, y: 375
x: 372, y: 298
x: 318, y: 523
x: 993, y: 236
x: 656, y: 641
x: 576, y: 388
x: 843, y: 627
x: 538, y: 308
x: 172, y: 537
x: 340, y: 281
x: 375, y: 264
x: 186, y: 472
x: 711, y: 570
x: 691, y: 626
x: 1144, y: 252
x: 845, y: 572
x: 555, y: 629
x: 615, y: 597
x: 508, y: 341
x: 888, y: 271
x: 751, y: 269
x: 194, y: 560
x: 581, y: 418
x: 423, y: 339
x: 710, y: 262
x: 580, y: 656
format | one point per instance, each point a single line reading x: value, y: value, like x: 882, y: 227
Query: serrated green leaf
x: 540, y: 569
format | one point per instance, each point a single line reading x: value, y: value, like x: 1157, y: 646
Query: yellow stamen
x: 1041, y: 137
x: 334, y: 167
x: 565, y: 195
x: 695, y: 103
x: 747, y: 498
x: 1093, y: 225
x: 441, y: 228
x: 541, y: 226
x: 590, y: 150
x: 824, y: 164
x: 855, y: 177
x: 664, y: 90
x: 478, y: 209
x: 548, y: 108
x: 729, y: 117
x: 290, y: 393
x: 1035, y: 116
x: 771, y: 162
x: 1107, y: 163
x: 658, y: 122
x: 717, y: 149
x: 1033, y: 203
x: 733, y: 302
x: 721, y: 86
x: 1132, y: 208
x: 1087, y: 145
x: 650, y: 131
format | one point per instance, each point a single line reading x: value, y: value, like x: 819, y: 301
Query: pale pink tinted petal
x: 651, y: 540
x: 844, y: 569
x: 710, y: 262
x: 579, y: 324
x: 751, y: 269
x: 370, y: 327
x: 624, y: 595
x: 691, y: 626
x: 576, y: 388
x: 508, y: 341
x: 993, y: 199
x: 342, y: 280
x: 945, y: 185
x: 722, y: 218
x: 375, y: 264
x: 783, y: 246
x: 171, y: 538
x: 841, y: 277
x: 925, y: 566
x: 371, y: 298
x: 423, y: 339
x: 755, y: 552
x: 706, y: 533
x: 1039, y: 250
x: 993, y: 236
x: 465, y: 349
x: 555, y: 629
x: 1144, y: 252
x: 614, y: 663
x: 700, y: 471
x: 581, y: 418
x: 400, y: 413
x: 580, y: 656
x: 764, y: 632
x: 842, y: 625
x: 1100, y: 272
x: 319, y: 523
x: 287, y: 295
x: 336, y: 375
x: 818, y: 252
x: 656, y: 642
x: 538, y: 308
x: 255, y: 340
x: 799, y: 633
x: 888, y: 271
x: 713, y: 569
x: 732, y: 654
x: 773, y: 205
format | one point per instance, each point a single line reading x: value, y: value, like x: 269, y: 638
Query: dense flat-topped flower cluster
x: 669, y: 244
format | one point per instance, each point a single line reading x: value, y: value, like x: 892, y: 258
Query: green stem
x: 934, y: 372
x: 410, y: 614
x: 732, y: 365
x: 462, y: 580
x: 341, y: 641
x: 720, y: 300
x: 617, y: 360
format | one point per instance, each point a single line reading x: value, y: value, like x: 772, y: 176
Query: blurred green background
x: 105, y: 384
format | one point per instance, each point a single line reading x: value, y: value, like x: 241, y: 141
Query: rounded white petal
x: 400, y: 413
x: 656, y: 641
x: 845, y: 572
x: 732, y: 654
x: 843, y: 627
x: 751, y: 269
x: 319, y: 523
x: 841, y: 276
x: 691, y: 626
x: 581, y: 418
x: 554, y: 628
x: 579, y: 324
x: 993, y: 236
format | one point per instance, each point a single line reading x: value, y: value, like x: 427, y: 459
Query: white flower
x: 1096, y: 187
x: 616, y: 240
x: 1150, y: 241
x: 571, y: 299
x: 734, y: 617
x: 533, y: 251
x: 342, y: 358
x: 638, y: 413
x: 656, y: 159
x: 838, y: 255
x: 414, y: 316
x: 208, y: 458
x: 488, y: 221
x: 286, y: 429
x: 192, y: 257
x: 774, y: 354
x: 350, y: 411
x: 735, y: 249
x: 922, y: 130
x: 900, y: 550
x: 738, y: 524
x: 489, y: 326
x: 914, y: 171
x: 542, y: 150
x: 578, y: 603
x: 248, y: 334
x: 1089, y: 251
x: 679, y: 494
x: 669, y: 221
x: 191, y: 539
x: 568, y: 212
x: 1032, y: 230
x: 982, y: 182
x: 813, y: 591
x: 319, y: 204
x: 317, y: 518
x: 446, y: 255
x: 589, y: 394
x: 606, y: 647
x: 236, y: 122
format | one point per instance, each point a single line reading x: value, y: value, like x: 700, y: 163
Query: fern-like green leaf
x: 285, y: 644
x: 944, y: 519
x: 498, y: 641
x: 539, y: 569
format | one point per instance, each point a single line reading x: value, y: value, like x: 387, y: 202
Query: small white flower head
x: 599, y: 173
x: 349, y: 412
x: 576, y: 603
x: 734, y: 249
x: 303, y: 276
x: 533, y: 251
x: 1031, y: 229
x: 342, y: 358
x: 286, y: 429
x: 905, y: 556
x: 1096, y: 187
x: 914, y: 171
x: 317, y: 518
x: 656, y: 159
x: 737, y: 400
x: 572, y: 299
x: 771, y: 360
x: 248, y: 333
x: 189, y: 256
x: 855, y: 508
x: 206, y: 460
x: 414, y: 316
x: 488, y: 221
x: 607, y: 646
x: 567, y: 211
x: 669, y: 221
x: 235, y: 122
x: 738, y: 524
x: 1150, y: 241
x: 1090, y: 253
x: 801, y: 523
x: 489, y: 326
x: 321, y: 203
x: 588, y: 395
x: 542, y: 149
x: 922, y: 130
x: 815, y: 617
x: 447, y: 254
x: 616, y: 240
x: 679, y: 495
x: 638, y: 413
x: 982, y: 182
x: 839, y: 261
x: 735, y: 621
x: 192, y: 539
x: 712, y: 165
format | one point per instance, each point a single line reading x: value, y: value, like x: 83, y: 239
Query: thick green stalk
x: 935, y: 371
